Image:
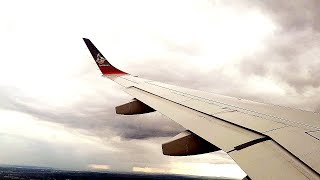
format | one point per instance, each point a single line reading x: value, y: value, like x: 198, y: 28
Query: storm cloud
x: 292, y: 54
x: 95, y: 116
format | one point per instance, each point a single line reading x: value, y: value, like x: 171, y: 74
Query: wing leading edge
x: 263, y: 140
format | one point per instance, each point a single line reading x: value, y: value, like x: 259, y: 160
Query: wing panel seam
x: 201, y: 112
x: 248, y: 110
x: 251, y: 143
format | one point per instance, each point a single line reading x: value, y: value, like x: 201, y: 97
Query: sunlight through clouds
x: 99, y: 167
x: 148, y: 170
x: 203, y: 169
x: 207, y: 169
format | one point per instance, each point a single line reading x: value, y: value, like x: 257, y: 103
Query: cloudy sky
x: 56, y: 110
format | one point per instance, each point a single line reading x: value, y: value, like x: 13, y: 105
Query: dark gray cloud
x: 147, y: 126
x: 291, y: 16
x: 95, y: 116
x: 291, y: 54
x: 294, y: 15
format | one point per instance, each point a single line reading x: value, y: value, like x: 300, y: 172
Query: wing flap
x: 291, y: 138
x: 270, y: 161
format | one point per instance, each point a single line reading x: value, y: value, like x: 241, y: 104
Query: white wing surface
x: 266, y: 141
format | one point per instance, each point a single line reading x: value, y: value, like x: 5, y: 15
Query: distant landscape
x: 43, y: 173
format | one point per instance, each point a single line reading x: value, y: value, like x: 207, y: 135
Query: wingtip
x: 86, y: 40
x: 101, y: 61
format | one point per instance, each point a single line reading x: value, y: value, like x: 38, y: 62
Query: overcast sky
x: 56, y: 110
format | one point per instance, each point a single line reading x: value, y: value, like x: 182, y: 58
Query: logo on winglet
x: 101, y: 60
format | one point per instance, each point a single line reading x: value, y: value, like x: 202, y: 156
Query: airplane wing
x: 266, y: 141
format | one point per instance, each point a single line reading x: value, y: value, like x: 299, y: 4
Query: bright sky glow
x: 100, y: 167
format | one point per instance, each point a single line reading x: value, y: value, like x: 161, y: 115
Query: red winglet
x: 102, y: 62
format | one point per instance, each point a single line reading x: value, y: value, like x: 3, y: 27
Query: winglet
x: 103, y: 64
